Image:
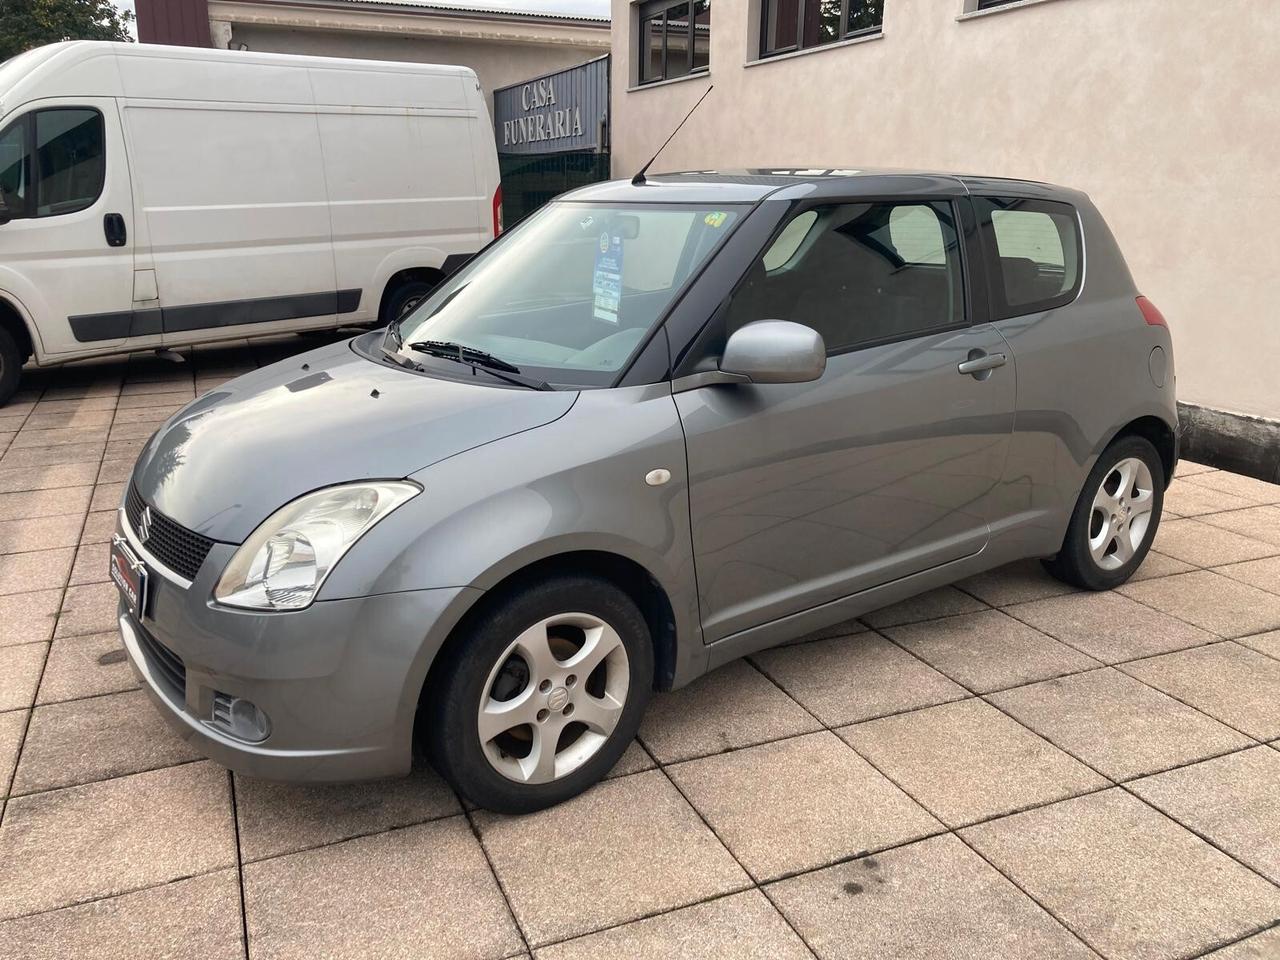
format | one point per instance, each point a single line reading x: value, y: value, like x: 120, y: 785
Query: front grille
x: 179, y: 549
x: 168, y: 665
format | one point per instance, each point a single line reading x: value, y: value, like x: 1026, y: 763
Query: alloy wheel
x: 553, y: 698
x: 1121, y: 513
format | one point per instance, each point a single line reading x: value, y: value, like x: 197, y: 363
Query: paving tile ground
x: 1005, y: 768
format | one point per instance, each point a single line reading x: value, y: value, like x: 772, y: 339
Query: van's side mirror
x: 775, y: 351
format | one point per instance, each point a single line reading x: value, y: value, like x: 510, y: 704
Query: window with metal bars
x: 675, y: 39
x: 790, y: 25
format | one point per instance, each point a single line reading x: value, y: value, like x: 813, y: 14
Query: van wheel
x: 11, y: 361
x: 1115, y: 519
x: 403, y: 299
x: 541, y: 696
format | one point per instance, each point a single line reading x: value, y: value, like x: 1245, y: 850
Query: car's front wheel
x: 1115, y: 518
x: 541, y: 695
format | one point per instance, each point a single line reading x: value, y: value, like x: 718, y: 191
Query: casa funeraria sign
x: 559, y: 112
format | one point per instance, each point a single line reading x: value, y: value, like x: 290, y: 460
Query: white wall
x: 1164, y: 111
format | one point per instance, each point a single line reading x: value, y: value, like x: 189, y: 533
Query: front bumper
x: 339, y: 680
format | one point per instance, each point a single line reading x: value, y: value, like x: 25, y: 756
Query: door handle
x: 980, y: 362
x: 113, y: 228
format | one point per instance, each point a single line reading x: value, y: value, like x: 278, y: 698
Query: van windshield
x: 573, y: 291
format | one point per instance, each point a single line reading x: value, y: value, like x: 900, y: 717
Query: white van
x: 155, y: 197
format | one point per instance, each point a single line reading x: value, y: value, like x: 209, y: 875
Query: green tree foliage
x: 32, y: 23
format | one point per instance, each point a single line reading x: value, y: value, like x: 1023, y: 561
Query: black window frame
x: 1001, y: 309
x: 993, y: 4
x: 31, y: 202
x: 663, y: 9
x: 845, y: 32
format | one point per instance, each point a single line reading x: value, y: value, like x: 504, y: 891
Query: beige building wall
x: 502, y: 50
x: 1165, y: 111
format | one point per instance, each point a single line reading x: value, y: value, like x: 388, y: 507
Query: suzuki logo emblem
x: 144, y: 525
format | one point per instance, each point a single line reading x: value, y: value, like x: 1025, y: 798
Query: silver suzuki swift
x: 657, y: 426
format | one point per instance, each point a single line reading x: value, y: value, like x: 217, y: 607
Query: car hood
x: 227, y: 461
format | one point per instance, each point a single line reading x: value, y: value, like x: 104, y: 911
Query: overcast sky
x: 581, y: 8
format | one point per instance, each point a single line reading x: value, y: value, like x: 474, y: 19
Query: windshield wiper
x: 478, y: 359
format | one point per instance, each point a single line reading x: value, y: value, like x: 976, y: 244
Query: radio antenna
x: 638, y: 179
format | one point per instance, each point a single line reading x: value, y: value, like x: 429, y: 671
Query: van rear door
x: 67, y: 253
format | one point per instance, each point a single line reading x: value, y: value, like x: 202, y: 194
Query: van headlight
x: 284, y: 562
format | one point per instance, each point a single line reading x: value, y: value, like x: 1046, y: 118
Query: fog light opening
x: 240, y: 718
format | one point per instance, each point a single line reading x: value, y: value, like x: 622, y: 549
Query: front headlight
x: 284, y: 562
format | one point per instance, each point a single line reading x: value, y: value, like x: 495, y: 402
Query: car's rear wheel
x: 541, y: 696
x: 11, y: 360
x: 1115, y: 518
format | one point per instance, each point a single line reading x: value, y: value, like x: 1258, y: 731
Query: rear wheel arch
x: 411, y: 278
x: 1161, y: 436
x: 12, y: 321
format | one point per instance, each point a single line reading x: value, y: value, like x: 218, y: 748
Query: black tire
x: 1074, y: 563
x: 11, y: 361
x: 403, y: 298
x: 448, y: 716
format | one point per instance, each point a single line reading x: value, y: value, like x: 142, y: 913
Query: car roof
x: 795, y: 183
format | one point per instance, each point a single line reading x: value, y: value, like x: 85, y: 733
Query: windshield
x: 571, y: 294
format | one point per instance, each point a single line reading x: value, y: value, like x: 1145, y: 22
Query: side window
x: 15, y: 168
x: 70, y: 162
x: 859, y: 274
x: 1033, y: 251
x: 675, y: 39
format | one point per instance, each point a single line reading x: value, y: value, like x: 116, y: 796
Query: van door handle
x: 113, y: 227
x: 980, y: 362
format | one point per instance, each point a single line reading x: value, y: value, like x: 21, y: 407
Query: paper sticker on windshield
x: 606, y: 282
x: 715, y: 219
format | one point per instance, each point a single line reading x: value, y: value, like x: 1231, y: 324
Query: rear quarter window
x: 1034, y: 253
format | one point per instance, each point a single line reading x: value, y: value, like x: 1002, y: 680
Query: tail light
x: 497, y: 211
x: 1151, y: 314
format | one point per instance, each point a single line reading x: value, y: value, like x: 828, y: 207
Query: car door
x: 804, y: 493
x: 68, y: 253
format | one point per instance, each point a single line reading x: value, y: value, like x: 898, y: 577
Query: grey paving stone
x: 39, y: 533
x: 1232, y: 801
x: 1216, y: 603
x: 798, y: 804
x: 12, y: 724
x: 967, y: 761
x: 942, y: 602
x: 1268, y: 643
x: 1189, y: 468
x: 30, y: 437
x: 48, y: 456
x: 195, y: 919
x: 627, y: 848
x: 989, y: 650
x: 115, y: 471
x: 166, y: 399
x: 84, y: 667
x: 1263, y: 574
x: 69, y: 419
x: 1260, y: 523
x: 91, y: 564
x: 123, y: 449
x: 423, y: 891
x: 932, y: 900
x: 37, y: 570
x: 1206, y: 545
x: 633, y: 760
x: 1192, y: 500
x: 1237, y: 485
x: 99, y: 527
x: 1117, y: 725
x: 20, y: 668
x: 1239, y: 686
x: 1015, y: 583
x: 856, y: 678
x: 111, y: 837
x: 88, y: 608
x: 107, y: 496
x: 1110, y: 627
x: 1134, y: 884
x: 79, y: 741
x: 1156, y: 565
x: 28, y: 617
x: 1260, y: 946
x: 742, y: 926
x: 17, y: 479
x: 30, y: 504
x: 277, y: 818
x: 734, y: 706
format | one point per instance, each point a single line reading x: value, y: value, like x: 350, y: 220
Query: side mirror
x: 775, y: 351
